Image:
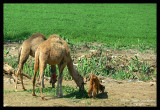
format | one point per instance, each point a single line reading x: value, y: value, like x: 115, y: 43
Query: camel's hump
x: 35, y: 35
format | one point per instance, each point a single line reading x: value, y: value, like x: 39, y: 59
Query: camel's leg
x: 36, y: 66
x: 90, y: 91
x: 53, y: 72
x: 16, y: 79
x: 97, y: 89
x: 42, y: 68
x: 61, y: 66
x: 23, y: 59
x: 94, y: 92
x: 42, y: 78
x: 21, y: 76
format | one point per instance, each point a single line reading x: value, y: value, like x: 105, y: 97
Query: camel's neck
x: 74, y: 73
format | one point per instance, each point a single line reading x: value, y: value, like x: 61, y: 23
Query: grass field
x: 115, y: 25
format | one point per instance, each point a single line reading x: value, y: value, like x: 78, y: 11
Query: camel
x: 29, y: 47
x: 55, y: 51
x: 95, y: 86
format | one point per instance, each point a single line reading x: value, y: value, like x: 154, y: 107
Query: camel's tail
x: 36, y: 65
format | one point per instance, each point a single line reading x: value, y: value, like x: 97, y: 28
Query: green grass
x: 119, y: 26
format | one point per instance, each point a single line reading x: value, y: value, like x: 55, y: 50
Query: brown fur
x: 28, y: 47
x: 55, y: 51
x: 95, y: 86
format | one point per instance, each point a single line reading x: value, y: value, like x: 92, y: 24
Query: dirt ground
x: 117, y: 92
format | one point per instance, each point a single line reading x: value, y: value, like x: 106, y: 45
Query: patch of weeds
x: 115, y: 75
x: 93, y: 47
x: 10, y: 59
x: 144, y: 69
x: 131, y: 67
x: 143, y: 47
x: 6, y: 91
x: 68, y: 92
x: 85, y: 66
x: 68, y: 89
x: 145, y: 72
x: 121, y: 74
x: 6, y: 51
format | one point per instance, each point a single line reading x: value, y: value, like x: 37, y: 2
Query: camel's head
x: 81, y: 83
x: 102, y: 88
x: 79, y: 80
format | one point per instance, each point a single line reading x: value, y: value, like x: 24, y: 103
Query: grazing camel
x: 95, y: 86
x: 55, y: 51
x: 29, y: 47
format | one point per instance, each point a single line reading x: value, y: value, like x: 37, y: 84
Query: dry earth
x: 117, y: 92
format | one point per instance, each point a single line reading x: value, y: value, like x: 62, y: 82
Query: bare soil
x: 117, y: 92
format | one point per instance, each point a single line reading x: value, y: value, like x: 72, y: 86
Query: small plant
x: 136, y: 63
x: 131, y: 67
x: 6, y: 51
x: 145, y: 67
x: 88, y: 103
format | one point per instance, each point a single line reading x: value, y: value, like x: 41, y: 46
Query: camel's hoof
x: 44, y: 98
x: 60, y: 96
x: 24, y: 89
x: 33, y: 94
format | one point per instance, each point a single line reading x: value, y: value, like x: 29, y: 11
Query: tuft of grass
x: 68, y: 92
x: 88, y: 102
x: 6, y: 91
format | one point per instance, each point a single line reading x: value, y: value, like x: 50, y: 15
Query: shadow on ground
x: 102, y: 95
x: 77, y: 94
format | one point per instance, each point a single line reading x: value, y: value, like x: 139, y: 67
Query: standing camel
x: 55, y: 51
x: 29, y: 47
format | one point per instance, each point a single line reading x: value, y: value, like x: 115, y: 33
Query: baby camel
x: 29, y: 47
x: 95, y: 86
x: 55, y: 51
